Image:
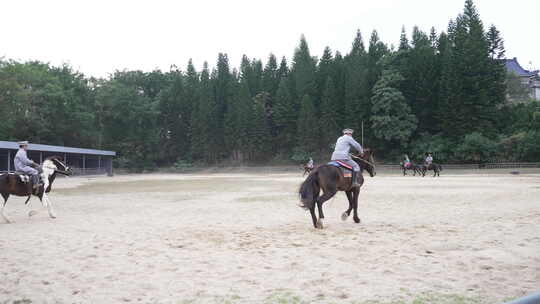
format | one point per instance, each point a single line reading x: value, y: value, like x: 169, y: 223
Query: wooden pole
x: 9, y: 161
x: 362, y: 133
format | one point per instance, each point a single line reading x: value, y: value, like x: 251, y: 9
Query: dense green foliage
x: 442, y: 92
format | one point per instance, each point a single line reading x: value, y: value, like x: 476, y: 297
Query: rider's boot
x: 35, y: 182
x: 354, y: 181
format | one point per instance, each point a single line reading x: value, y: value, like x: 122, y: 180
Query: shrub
x: 476, y: 148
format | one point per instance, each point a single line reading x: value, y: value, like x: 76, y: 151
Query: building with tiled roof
x: 529, y: 79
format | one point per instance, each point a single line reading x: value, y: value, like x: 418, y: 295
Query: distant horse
x: 330, y: 179
x: 11, y: 184
x: 437, y: 168
x: 412, y: 167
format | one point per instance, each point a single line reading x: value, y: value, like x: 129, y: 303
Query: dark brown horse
x: 330, y: 180
x: 11, y: 184
x: 437, y: 168
x: 413, y: 167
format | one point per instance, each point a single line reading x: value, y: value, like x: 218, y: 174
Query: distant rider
x: 341, y: 153
x: 406, y: 161
x: 429, y: 160
x: 309, y: 164
x: 25, y: 165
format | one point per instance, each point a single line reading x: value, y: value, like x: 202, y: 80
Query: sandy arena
x: 241, y: 238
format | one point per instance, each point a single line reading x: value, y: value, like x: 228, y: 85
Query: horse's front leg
x: 313, y: 216
x: 48, y: 203
x: 347, y: 213
x: 356, y: 193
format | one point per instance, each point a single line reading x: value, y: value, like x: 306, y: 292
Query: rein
x: 362, y: 160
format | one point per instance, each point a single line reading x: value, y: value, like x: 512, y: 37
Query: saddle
x: 345, y: 169
x: 24, y: 178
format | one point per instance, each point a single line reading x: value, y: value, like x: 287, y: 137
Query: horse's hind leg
x: 3, y: 211
x: 347, y: 213
x: 356, y: 193
x: 328, y: 194
x: 31, y: 212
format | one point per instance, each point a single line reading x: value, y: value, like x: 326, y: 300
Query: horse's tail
x: 440, y: 168
x: 308, y: 189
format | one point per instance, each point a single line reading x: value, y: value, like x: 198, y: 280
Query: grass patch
x: 432, y: 298
x: 284, y: 297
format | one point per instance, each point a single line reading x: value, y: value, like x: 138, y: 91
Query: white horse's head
x: 54, y: 164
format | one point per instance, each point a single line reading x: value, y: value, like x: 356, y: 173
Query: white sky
x: 97, y: 37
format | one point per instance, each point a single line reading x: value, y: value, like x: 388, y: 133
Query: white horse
x: 13, y: 184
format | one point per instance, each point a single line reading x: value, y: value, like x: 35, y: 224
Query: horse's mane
x: 54, y: 157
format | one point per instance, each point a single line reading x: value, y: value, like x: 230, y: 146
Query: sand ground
x: 240, y: 238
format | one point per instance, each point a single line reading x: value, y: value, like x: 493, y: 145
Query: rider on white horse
x: 25, y: 165
x: 429, y: 159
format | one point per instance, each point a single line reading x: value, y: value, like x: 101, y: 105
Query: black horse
x: 330, y: 179
x: 11, y: 184
x: 437, y: 168
x: 412, y: 167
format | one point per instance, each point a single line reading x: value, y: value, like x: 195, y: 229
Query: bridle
x: 55, y: 168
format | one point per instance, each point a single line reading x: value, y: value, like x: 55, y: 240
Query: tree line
x: 443, y: 92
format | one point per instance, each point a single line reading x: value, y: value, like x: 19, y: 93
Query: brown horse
x: 11, y: 184
x: 330, y: 180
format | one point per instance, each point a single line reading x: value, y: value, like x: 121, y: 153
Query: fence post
x: 9, y: 160
x: 109, y: 167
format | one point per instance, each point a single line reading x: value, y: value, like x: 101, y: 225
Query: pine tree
x: 403, y: 41
x: 285, y: 116
x: 256, y: 81
x: 420, y: 87
x: 222, y: 83
x: 204, y: 122
x: 356, y: 92
x: 376, y: 50
x: 270, y: 77
x: 283, y: 70
x: 339, y: 73
x: 329, y: 116
x: 237, y: 119
x: 175, y: 114
x: 259, y: 131
x: 433, y: 38
x: 308, y: 126
x: 303, y: 70
x: 324, y: 70
x: 496, y: 43
x: 470, y: 106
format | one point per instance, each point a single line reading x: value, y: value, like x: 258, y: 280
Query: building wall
x: 82, y: 164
